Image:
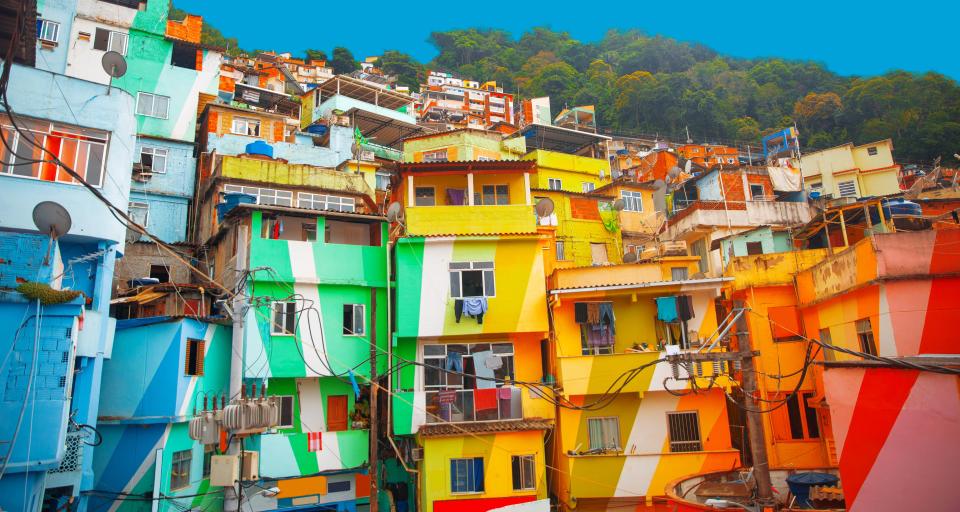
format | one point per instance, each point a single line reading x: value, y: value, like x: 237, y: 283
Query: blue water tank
x: 901, y: 207
x: 317, y: 129
x: 814, y: 194
x: 801, y: 483
x: 231, y: 200
x: 260, y: 147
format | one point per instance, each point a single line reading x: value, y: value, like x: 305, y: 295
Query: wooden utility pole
x: 758, y: 445
x: 374, y: 416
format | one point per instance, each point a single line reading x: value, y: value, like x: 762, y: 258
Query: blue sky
x: 852, y: 37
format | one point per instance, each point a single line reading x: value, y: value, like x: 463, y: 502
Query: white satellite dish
x: 115, y: 65
x: 52, y: 218
x: 630, y: 257
x: 544, y: 207
x: 395, y: 212
x: 619, y: 205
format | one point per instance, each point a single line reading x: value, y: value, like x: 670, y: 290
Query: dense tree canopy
x: 343, y: 61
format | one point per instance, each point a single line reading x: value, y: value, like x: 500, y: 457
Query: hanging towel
x: 606, y: 316
x: 454, y: 362
x: 599, y: 336
x: 455, y: 196
x: 485, y: 399
x: 667, y: 309
x: 593, y: 313
x: 505, y: 393
x: 353, y: 382
x: 580, y: 312
x: 485, y: 375
x: 314, y: 441
x: 685, y: 307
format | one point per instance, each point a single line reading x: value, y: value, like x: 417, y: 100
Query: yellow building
x: 461, y: 145
x: 621, y: 452
x: 852, y: 171
x: 569, y: 172
x: 639, y: 220
x: 586, y: 228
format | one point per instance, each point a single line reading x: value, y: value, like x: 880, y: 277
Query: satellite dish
x: 630, y: 257
x: 114, y: 64
x: 52, y: 218
x: 619, y: 205
x: 544, y: 207
x: 395, y: 212
x: 688, y: 166
x: 660, y: 196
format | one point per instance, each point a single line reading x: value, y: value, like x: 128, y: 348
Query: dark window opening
x: 160, y: 272
x: 793, y: 411
x: 351, y: 233
x: 341, y: 486
x: 472, y: 283
x: 754, y: 248
x: 810, y: 414
x: 194, y: 359
x: 184, y: 56
x: 286, y: 412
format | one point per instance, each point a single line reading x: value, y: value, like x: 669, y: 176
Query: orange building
x: 710, y: 155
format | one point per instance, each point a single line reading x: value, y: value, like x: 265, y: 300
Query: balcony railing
x: 462, y: 405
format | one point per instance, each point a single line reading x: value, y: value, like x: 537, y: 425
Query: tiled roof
x: 484, y: 427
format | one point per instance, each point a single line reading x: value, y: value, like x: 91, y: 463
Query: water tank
x: 801, y: 483
x: 317, y: 129
x: 231, y: 200
x: 900, y: 207
x: 260, y: 147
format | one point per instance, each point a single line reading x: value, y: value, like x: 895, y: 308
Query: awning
x: 143, y: 297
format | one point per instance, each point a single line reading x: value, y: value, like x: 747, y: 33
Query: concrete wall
x: 139, y: 256
x: 61, y: 11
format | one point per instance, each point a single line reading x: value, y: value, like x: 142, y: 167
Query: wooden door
x: 336, y: 413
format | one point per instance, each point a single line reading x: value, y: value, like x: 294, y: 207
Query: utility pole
x: 374, y: 413
x: 758, y: 445
x: 231, y: 499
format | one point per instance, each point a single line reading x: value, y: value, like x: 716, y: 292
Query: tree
x: 343, y: 61
x: 559, y: 81
x: 313, y: 54
x: 818, y: 111
x: 408, y: 71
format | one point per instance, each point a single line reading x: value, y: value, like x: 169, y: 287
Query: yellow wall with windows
x: 571, y: 170
x: 496, y: 451
x: 577, y: 234
x: 464, y: 145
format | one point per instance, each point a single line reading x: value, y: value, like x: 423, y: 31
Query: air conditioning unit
x: 416, y: 454
x: 251, y: 466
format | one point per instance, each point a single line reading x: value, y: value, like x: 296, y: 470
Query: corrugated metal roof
x: 484, y: 427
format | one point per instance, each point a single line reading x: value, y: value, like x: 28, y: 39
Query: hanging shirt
x: 606, y: 316
x: 685, y: 307
x: 474, y: 306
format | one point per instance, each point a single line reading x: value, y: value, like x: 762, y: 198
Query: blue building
x: 53, y: 354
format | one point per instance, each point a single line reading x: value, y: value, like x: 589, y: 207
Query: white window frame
x: 632, y: 201
x: 47, y: 26
x: 439, y: 155
x: 154, y: 152
x: 470, y: 476
x: 588, y: 187
x: 273, y: 318
x: 363, y: 320
x: 313, y: 201
x: 524, y: 461
x: 554, y: 184
x: 487, y: 272
x: 86, y: 141
x: 114, y: 35
x: 180, y: 459
x: 605, y: 423
x: 279, y: 197
x: 284, y: 400
x: 242, y: 126
x: 141, y: 96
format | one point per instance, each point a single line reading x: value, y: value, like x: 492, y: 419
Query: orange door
x: 336, y: 413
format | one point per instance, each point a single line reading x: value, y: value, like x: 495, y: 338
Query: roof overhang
x: 687, y: 285
x: 386, y: 131
x: 556, y: 138
x: 363, y: 91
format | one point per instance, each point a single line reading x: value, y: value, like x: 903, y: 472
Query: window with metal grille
x: 180, y: 469
x: 684, y: 429
x: 284, y: 318
x: 865, y: 335
x: 466, y: 475
x: 561, y: 252
x: 847, y: 188
x: 632, y: 201
x: 604, y: 433
x: 354, y: 320
x: 524, y: 472
x: 194, y: 359
x: 472, y: 279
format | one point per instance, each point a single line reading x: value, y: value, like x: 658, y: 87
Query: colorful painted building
x: 626, y: 426
x: 585, y: 228
x: 639, y: 220
x: 464, y: 144
x: 56, y: 350
x: 471, y: 327
x: 852, y: 171
x: 456, y: 102
x: 162, y: 371
x: 709, y: 156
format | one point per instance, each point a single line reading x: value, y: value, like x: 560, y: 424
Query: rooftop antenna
x: 115, y: 66
x: 53, y: 219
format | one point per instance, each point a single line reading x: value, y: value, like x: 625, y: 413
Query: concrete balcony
x: 593, y: 374
x: 345, y: 104
x: 697, y: 214
x: 470, y: 220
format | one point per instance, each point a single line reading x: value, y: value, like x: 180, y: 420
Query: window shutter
x: 101, y: 39
x: 189, y: 356
x: 198, y: 355
x: 358, y: 320
x: 478, y: 474
x: 488, y: 285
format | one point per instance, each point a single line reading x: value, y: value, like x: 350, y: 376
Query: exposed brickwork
x: 584, y: 208
x: 187, y: 30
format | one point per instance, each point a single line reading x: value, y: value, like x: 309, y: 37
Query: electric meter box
x: 224, y: 470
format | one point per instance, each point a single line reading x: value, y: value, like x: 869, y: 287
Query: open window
x: 354, y: 320
x: 472, y: 279
x: 352, y: 233
x: 184, y: 56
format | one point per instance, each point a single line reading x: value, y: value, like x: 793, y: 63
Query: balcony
x: 470, y: 220
x: 460, y: 405
x: 275, y: 172
x: 285, y: 455
x: 689, y: 215
x: 577, y: 372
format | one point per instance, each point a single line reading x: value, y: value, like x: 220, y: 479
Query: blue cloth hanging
x: 353, y: 382
x: 667, y: 309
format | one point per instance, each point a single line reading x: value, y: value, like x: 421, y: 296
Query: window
x: 684, y: 429
x: 798, y: 420
x: 872, y: 151
x: 588, y: 187
x: 816, y: 186
x: 336, y: 413
x: 604, y: 433
x: 139, y: 212
x: 354, y: 321
x: 108, y: 40
x: 472, y: 279
x: 524, y: 472
x: 48, y: 31
x: 435, y: 156
x: 160, y: 272
x: 326, y: 202
x: 383, y: 181
x: 466, y: 475
x: 286, y: 412
x: 678, y: 273
x: 264, y: 195
x: 207, y: 459
x: 245, y: 126
x: 183, y: 56
x: 309, y: 232
x: 493, y: 195
x: 731, y: 160
x: 284, y: 318
x: 754, y: 248
x: 180, y: 469
x: 865, y: 335
x: 598, y: 254
x: 699, y: 249
x: 632, y: 201
x: 82, y: 149
x: 194, y: 360
x: 554, y: 184
x: 152, y: 105
x: 154, y: 158
x: 756, y: 192
x: 425, y: 196
x: 825, y: 337
x: 435, y: 356
x: 847, y: 188
x: 341, y: 486
x: 561, y: 254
